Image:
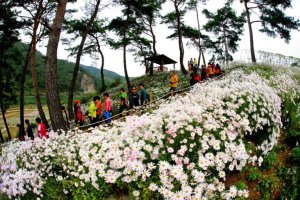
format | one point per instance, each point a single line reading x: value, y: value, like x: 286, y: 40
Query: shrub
x: 291, y: 178
x: 295, y: 157
x: 269, y: 160
x: 253, y: 174
x: 265, y: 187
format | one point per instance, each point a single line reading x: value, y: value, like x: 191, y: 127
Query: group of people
x: 94, y: 110
x: 41, y: 130
x: 95, y: 114
x: 197, y: 75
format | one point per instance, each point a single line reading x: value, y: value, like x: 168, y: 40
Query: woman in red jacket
x: 41, y: 128
x: 79, y: 117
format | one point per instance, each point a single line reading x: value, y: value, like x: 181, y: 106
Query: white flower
x: 136, y: 193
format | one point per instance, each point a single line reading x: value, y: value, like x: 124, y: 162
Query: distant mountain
x: 109, y: 76
x: 65, y: 73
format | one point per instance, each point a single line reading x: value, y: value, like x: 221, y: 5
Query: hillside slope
x: 236, y: 137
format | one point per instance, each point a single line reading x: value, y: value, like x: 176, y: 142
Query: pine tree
x: 175, y: 19
x: 10, y: 56
x: 228, y: 29
x: 273, y: 20
x: 83, y: 33
x: 53, y: 99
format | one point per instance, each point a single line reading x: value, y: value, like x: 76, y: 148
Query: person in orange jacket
x: 79, y: 117
x: 173, y: 81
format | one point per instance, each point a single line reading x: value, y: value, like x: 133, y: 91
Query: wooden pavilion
x: 162, y: 60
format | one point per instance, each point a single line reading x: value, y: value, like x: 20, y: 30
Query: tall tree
x: 192, y: 34
x: 10, y: 56
x: 53, y: 101
x: 147, y: 11
x: 83, y: 33
x: 272, y: 18
x: 127, y: 30
x: 175, y: 18
x: 34, y: 40
x: 141, y: 49
x: 35, y: 9
x: 194, y: 5
x: 228, y: 28
x: 1, y: 137
x: 97, y: 37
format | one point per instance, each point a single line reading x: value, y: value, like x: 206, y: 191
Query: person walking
x: 218, y: 70
x: 99, y: 108
x: 65, y: 115
x: 122, y: 100
x: 195, y: 63
x: 79, y: 117
x: 203, y: 75
x: 133, y: 98
x: 173, y: 81
x: 107, y: 108
x: 92, y: 111
x: 41, y: 129
x: 144, y: 97
x: 29, y: 129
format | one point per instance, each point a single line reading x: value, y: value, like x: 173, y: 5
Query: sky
x: 114, y: 58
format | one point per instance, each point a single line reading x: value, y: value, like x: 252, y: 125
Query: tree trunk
x: 103, y: 86
x: 250, y: 32
x: 21, y: 98
x: 53, y: 101
x: 32, y: 57
x: 153, y: 45
x: 77, y: 63
x: 1, y: 138
x: 151, y: 68
x: 125, y: 67
x: 225, y: 44
x: 199, y: 42
x: 4, y: 119
x: 181, y: 48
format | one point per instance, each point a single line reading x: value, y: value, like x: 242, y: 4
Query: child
x: 123, y: 100
x: 107, y: 108
x: 29, y: 129
x: 65, y: 115
x: 98, y: 107
x: 92, y: 111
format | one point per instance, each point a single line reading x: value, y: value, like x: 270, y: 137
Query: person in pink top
x: 107, y: 108
x: 41, y: 128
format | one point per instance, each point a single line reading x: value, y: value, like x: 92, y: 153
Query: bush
x: 295, y: 157
x: 253, y: 174
x: 269, y: 160
x: 265, y: 187
x: 291, y: 178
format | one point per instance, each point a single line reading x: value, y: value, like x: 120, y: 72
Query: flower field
x: 185, y: 149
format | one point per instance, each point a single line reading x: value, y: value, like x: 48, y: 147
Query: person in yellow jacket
x: 173, y: 81
x: 92, y: 112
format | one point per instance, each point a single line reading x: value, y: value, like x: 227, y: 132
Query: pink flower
x: 170, y: 150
